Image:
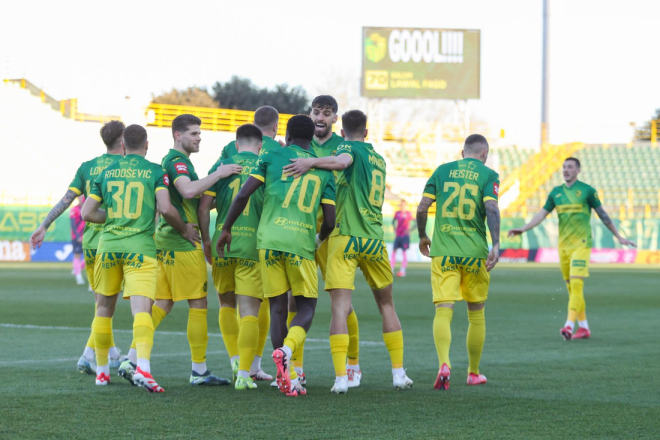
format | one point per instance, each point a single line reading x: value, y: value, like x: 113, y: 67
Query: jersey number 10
x: 122, y: 201
x: 449, y: 209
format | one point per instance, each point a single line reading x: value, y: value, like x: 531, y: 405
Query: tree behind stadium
x: 192, y: 96
x: 241, y: 94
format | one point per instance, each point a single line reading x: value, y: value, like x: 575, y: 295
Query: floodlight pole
x: 545, y: 106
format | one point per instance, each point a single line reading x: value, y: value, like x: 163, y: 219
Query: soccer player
x: 358, y: 242
x: 286, y: 240
x: 182, y: 272
x: 574, y: 201
x: 111, y: 133
x: 466, y: 193
x: 401, y: 223
x: 324, y: 115
x: 129, y: 189
x: 237, y: 277
x: 77, y: 230
x: 267, y: 119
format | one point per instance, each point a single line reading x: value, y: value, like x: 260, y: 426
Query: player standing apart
x: 358, y: 242
x: 182, y: 272
x: 466, y: 193
x: 574, y: 201
x: 287, y: 240
x: 129, y: 190
x: 77, y: 230
x: 111, y: 133
x: 237, y: 277
x: 401, y: 223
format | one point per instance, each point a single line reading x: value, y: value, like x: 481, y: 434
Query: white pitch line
x: 158, y: 332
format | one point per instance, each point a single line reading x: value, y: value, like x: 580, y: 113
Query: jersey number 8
x: 123, y: 204
x: 377, y: 194
x: 463, y: 201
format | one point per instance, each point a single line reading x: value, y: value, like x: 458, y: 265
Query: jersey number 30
x: 122, y: 202
x: 450, y: 210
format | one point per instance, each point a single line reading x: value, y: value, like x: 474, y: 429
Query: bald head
x: 476, y: 147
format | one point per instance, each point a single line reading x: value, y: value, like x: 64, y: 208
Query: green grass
x: 539, y: 386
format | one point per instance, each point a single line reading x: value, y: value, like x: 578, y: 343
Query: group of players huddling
x: 284, y: 209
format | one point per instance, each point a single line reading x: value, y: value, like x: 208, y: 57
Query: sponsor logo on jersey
x: 575, y: 208
x: 457, y: 230
x: 344, y: 147
x: 292, y: 224
x: 166, y: 180
x: 181, y: 168
x: 472, y: 166
x: 133, y: 162
x: 496, y: 188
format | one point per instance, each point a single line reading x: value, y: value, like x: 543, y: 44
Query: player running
x: 129, y: 190
x: 237, y: 277
x: 111, y: 134
x: 401, y: 223
x: 267, y: 119
x: 182, y: 272
x: 466, y: 192
x: 574, y: 201
x: 358, y: 242
x: 286, y: 240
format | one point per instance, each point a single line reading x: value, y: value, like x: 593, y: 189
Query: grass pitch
x: 539, y: 386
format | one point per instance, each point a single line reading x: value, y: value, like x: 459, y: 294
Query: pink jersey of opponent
x: 77, y: 223
x: 403, y: 219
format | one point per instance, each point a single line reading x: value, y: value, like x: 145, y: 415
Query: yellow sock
x: 576, y: 299
x: 229, y: 329
x: 289, y: 318
x: 143, y: 333
x: 339, y: 349
x: 264, y: 326
x: 248, y: 338
x: 295, y: 338
x: 157, y: 316
x: 442, y: 333
x: 353, y: 339
x: 90, y: 340
x: 198, y: 334
x: 394, y: 344
x: 102, y: 330
x: 476, y: 336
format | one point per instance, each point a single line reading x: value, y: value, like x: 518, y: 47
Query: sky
x: 602, y: 65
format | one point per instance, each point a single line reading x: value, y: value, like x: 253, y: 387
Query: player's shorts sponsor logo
x: 292, y: 225
x: 367, y: 249
x: 470, y: 265
x: 457, y: 230
x: 578, y: 263
x: 127, y: 259
x: 181, y: 168
x: 273, y: 257
x: 166, y: 257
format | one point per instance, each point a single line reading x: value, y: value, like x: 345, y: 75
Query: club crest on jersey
x: 578, y: 193
x: 181, y: 168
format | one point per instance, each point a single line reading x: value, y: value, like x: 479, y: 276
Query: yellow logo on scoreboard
x: 375, y: 47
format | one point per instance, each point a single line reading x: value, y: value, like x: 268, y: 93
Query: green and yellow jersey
x: 82, y: 184
x: 128, y: 189
x: 267, y: 144
x: 574, y: 211
x: 176, y: 164
x: 290, y: 205
x: 460, y: 189
x: 244, y: 231
x: 361, y: 192
x: 327, y: 148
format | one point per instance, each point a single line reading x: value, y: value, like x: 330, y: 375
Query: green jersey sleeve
x: 78, y: 183
x: 550, y: 202
x: 491, y: 190
x: 592, y: 199
x: 228, y: 151
x: 328, y: 197
x: 261, y: 167
x: 431, y: 188
x: 96, y: 189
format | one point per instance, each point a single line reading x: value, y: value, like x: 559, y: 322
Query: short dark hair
x: 574, y: 159
x: 266, y: 116
x: 135, y: 137
x: 476, y: 139
x: 182, y: 122
x: 111, y: 132
x: 249, y: 132
x: 354, y: 122
x: 325, y: 101
x: 301, y: 127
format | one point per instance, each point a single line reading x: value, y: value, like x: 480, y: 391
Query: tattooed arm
x: 493, y: 218
x: 607, y: 221
x: 39, y: 234
x: 422, y: 218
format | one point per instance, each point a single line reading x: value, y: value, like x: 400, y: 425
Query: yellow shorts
x: 281, y: 272
x: 457, y: 278
x: 346, y: 254
x: 574, y: 262
x: 134, y: 273
x: 237, y: 275
x: 90, y: 260
x: 181, y: 275
x: 321, y: 257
